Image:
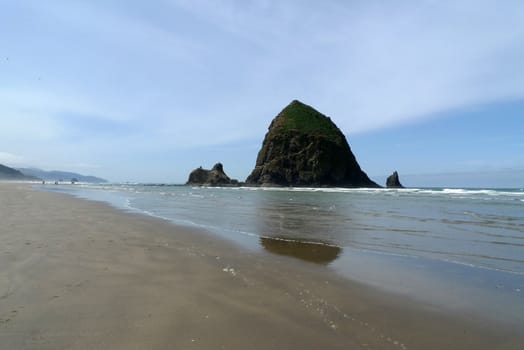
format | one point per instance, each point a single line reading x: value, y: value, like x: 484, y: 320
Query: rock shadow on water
x: 314, y: 252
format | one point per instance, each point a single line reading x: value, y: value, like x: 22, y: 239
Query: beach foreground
x: 77, y: 274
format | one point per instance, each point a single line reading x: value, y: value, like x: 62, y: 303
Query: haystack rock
x: 303, y: 147
x: 214, y: 177
x: 393, y: 181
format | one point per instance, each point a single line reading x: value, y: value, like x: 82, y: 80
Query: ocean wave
x: 373, y: 219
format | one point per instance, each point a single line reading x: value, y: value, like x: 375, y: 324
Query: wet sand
x: 76, y: 274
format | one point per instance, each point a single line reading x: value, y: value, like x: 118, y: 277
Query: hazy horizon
x: 487, y: 180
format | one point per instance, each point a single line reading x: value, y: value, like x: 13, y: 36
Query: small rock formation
x: 214, y: 177
x: 303, y: 147
x: 393, y: 181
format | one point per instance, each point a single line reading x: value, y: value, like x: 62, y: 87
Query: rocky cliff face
x: 303, y: 147
x: 214, y: 177
x: 393, y: 181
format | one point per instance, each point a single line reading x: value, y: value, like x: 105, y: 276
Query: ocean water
x: 460, y: 247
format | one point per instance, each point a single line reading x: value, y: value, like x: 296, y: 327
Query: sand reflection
x: 318, y: 253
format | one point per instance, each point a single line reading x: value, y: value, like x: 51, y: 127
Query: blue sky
x: 147, y: 91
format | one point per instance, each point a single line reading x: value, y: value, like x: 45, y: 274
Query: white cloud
x: 35, y: 115
x: 114, y: 24
x: 11, y: 160
x: 372, y: 65
x: 368, y: 65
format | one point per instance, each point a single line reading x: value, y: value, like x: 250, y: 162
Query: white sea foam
x: 401, y: 191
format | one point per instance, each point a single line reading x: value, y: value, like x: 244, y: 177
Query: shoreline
x: 444, y: 284
x: 82, y: 274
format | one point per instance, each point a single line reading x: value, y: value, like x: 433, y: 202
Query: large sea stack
x: 303, y: 147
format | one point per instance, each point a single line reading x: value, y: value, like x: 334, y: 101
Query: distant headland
x: 34, y: 174
x: 7, y: 173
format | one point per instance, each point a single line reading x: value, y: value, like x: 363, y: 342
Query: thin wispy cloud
x: 376, y: 64
x: 11, y: 159
x: 368, y: 64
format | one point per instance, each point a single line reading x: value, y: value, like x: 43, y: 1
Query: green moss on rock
x: 299, y: 117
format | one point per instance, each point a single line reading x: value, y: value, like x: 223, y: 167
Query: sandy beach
x: 78, y: 274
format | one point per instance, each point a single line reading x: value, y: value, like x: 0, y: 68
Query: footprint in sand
x: 8, y: 318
